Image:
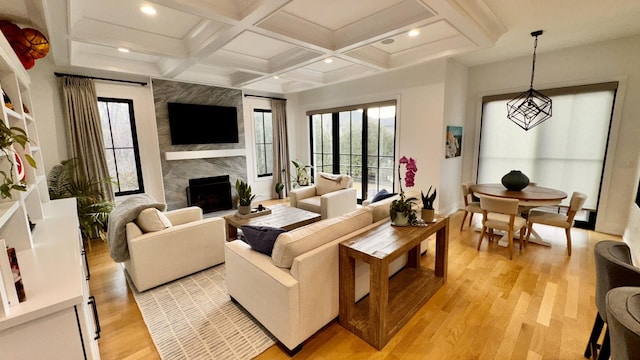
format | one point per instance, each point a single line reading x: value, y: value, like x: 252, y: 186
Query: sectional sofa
x: 294, y: 292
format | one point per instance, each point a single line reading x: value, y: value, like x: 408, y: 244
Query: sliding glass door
x: 358, y: 141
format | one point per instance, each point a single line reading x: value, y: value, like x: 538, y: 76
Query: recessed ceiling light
x: 276, y: 77
x: 123, y: 50
x: 148, y: 9
x: 387, y: 41
x: 328, y: 60
x: 414, y: 32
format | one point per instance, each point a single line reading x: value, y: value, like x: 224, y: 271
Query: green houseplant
x: 427, y: 205
x: 244, y: 197
x: 302, y: 177
x: 93, y: 210
x: 8, y: 137
x: 401, y: 210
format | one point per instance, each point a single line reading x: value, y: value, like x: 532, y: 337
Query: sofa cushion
x: 291, y: 244
x: 381, y: 195
x: 152, y: 219
x: 312, y: 204
x: 326, y: 183
x: 380, y: 209
x: 261, y: 238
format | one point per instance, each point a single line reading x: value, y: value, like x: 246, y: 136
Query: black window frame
x: 136, y: 148
x: 258, y: 174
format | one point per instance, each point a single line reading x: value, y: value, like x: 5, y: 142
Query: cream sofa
x: 330, y: 196
x: 189, y: 244
x: 294, y: 292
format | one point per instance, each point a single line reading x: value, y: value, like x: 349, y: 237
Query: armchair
x: 330, y: 196
x: 185, y: 245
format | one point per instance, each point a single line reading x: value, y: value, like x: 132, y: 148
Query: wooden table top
x: 530, y: 193
x: 282, y: 216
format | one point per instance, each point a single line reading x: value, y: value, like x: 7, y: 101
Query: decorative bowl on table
x: 515, y: 180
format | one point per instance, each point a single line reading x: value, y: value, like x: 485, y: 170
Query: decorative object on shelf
x: 454, y: 142
x: 19, y: 168
x: 32, y: 225
x: 17, y: 278
x: 515, y: 180
x: 8, y: 137
x: 93, y: 208
x: 428, y: 213
x: 29, y: 44
x: 302, y: 177
x: 7, y: 101
x: 244, y: 197
x: 531, y: 107
x: 401, y: 210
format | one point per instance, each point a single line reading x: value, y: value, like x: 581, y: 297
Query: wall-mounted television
x: 202, y: 124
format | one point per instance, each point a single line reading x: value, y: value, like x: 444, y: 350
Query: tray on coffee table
x: 282, y: 216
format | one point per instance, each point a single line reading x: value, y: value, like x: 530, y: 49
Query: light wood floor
x: 540, y: 305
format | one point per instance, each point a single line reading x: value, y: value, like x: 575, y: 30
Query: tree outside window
x: 263, y: 126
x: 121, y: 145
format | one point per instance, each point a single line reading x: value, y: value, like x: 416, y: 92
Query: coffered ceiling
x: 285, y: 46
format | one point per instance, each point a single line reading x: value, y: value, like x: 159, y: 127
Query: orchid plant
x: 404, y: 205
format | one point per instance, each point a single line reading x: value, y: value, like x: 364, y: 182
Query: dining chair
x: 470, y: 205
x: 614, y: 268
x: 558, y: 220
x: 501, y: 214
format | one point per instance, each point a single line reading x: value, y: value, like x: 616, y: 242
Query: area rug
x: 194, y: 318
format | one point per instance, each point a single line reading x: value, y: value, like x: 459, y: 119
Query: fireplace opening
x: 210, y: 193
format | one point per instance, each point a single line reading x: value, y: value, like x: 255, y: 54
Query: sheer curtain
x: 84, y: 131
x: 280, y: 145
x: 566, y: 152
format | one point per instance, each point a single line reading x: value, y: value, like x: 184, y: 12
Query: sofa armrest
x: 338, y: 203
x: 300, y: 193
x: 267, y: 292
x: 184, y: 215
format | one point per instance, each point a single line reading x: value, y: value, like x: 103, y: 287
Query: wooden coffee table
x: 282, y: 216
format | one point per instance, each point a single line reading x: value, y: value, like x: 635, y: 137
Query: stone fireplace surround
x: 183, y: 162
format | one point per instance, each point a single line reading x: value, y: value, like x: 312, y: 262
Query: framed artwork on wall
x: 453, y: 142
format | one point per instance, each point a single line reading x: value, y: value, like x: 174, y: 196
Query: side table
x: 391, y: 302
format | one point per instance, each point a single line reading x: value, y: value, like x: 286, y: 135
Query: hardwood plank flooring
x: 540, y: 305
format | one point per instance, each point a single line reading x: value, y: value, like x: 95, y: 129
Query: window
x: 263, y: 126
x: 566, y: 152
x: 356, y: 140
x: 121, y: 145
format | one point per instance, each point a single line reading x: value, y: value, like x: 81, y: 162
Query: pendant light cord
x: 533, y: 65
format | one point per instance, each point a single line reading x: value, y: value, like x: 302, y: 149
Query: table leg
x: 347, y: 293
x: 378, y: 301
x: 442, y: 251
x: 232, y: 232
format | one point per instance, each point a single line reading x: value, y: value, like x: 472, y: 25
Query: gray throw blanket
x: 125, y: 212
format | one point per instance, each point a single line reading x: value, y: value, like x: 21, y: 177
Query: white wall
x: 145, y: 115
x: 48, y: 112
x: 608, y: 61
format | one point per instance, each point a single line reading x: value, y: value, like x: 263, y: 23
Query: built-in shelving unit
x: 58, y: 319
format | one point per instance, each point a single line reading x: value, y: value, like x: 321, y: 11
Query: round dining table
x: 530, y: 197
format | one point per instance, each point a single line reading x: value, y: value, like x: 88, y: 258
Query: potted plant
x: 401, y: 210
x: 279, y: 185
x: 427, y: 205
x: 302, y: 177
x: 8, y: 137
x: 244, y: 197
x: 64, y: 181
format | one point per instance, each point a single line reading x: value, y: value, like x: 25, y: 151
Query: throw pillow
x: 381, y: 195
x: 261, y: 238
x: 152, y: 219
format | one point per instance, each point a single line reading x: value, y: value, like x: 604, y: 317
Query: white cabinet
x: 59, y: 319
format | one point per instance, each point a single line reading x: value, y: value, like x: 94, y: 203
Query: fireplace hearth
x: 210, y: 193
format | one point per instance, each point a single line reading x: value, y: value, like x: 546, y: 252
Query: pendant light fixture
x: 531, y: 107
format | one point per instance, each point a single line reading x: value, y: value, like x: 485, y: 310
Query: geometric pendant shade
x: 531, y: 107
